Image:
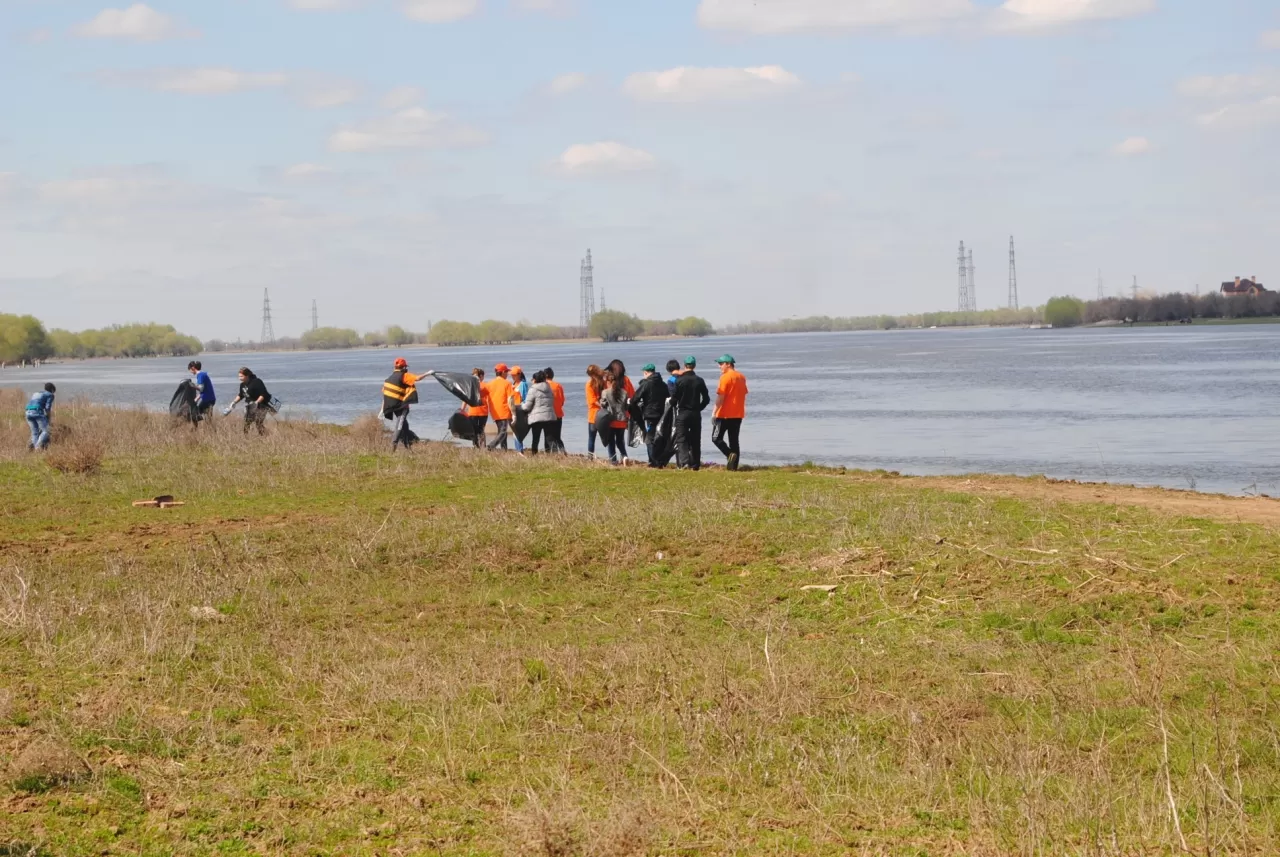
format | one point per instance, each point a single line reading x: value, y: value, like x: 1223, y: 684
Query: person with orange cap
x: 501, y: 394
x: 399, y: 392
x: 731, y: 409
x: 519, y: 417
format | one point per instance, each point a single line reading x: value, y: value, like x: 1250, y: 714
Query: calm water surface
x: 1182, y: 407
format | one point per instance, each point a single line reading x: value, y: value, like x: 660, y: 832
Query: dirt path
x: 1217, y: 507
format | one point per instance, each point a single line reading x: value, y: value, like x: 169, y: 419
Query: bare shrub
x: 368, y: 431
x: 81, y: 454
x: 45, y: 764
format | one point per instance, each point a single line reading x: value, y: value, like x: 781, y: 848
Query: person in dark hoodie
x: 257, y: 401
x: 651, y: 401
x: 690, y: 399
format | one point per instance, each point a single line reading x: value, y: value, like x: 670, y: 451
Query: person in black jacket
x: 257, y: 401
x: 650, y: 401
x: 690, y: 399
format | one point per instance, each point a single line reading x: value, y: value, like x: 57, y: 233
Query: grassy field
x: 333, y: 650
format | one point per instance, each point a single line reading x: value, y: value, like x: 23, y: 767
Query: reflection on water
x: 1176, y: 406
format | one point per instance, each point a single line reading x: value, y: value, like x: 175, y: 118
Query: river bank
x: 333, y: 649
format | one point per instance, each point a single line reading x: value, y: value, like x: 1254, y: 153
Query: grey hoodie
x: 541, y: 404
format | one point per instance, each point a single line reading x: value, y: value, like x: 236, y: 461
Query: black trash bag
x: 465, y: 387
x: 183, y: 404
x: 664, y: 442
x: 520, y: 424
x: 604, y: 421
x: 404, y: 436
x: 460, y: 426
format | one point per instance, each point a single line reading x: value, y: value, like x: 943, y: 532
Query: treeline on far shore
x: 23, y: 338
x: 826, y: 323
x: 607, y: 325
x: 1172, y: 308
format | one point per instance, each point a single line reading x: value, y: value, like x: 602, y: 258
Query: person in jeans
x: 594, y: 389
x: 257, y: 401
x: 39, y: 416
x: 731, y: 409
x: 691, y: 399
x: 540, y: 405
x: 651, y: 400
x: 501, y: 394
x: 519, y: 392
x: 614, y: 401
x: 206, y: 398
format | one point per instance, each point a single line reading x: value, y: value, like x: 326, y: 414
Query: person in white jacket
x: 540, y: 405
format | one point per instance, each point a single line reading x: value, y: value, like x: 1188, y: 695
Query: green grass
x: 452, y: 653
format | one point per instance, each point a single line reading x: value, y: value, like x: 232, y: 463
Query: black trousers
x: 688, y: 437
x: 541, y: 430
x: 720, y: 429
x: 477, y: 425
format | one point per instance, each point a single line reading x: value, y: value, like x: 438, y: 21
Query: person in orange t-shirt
x: 557, y: 391
x: 731, y: 409
x: 479, y: 415
x: 501, y: 394
x: 594, y: 389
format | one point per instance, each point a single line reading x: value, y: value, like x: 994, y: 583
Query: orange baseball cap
x: 401, y: 363
x: 515, y: 369
x: 500, y: 368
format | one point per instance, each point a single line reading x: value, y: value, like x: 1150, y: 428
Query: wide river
x: 1181, y: 407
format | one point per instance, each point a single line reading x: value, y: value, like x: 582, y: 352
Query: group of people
x: 665, y: 414
x: 662, y: 413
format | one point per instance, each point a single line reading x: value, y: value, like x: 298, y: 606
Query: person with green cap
x: 731, y: 409
x: 690, y: 400
x: 651, y: 401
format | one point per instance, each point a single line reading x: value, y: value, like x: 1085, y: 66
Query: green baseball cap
x: 727, y: 358
x: 648, y: 367
x: 691, y: 360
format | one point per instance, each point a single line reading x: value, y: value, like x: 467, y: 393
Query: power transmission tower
x: 604, y: 306
x: 1102, y: 294
x: 1135, y: 287
x: 587, y: 283
x: 268, y: 332
x: 963, y: 302
x: 1013, y: 276
x: 973, y: 289
x: 315, y: 317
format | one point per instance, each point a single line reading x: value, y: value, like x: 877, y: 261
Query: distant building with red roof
x: 1247, y: 287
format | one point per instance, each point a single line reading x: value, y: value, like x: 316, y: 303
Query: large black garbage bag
x: 183, y: 404
x: 465, y: 387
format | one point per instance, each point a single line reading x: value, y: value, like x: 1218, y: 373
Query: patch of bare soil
x: 1187, y: 504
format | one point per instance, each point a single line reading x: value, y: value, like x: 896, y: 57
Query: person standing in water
x: 731, y: 409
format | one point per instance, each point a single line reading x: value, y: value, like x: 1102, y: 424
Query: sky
x: 403, y: 161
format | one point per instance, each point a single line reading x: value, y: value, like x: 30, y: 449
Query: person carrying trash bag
x: 651, y: 402
x: 400, y: 391
x: 690, y: 399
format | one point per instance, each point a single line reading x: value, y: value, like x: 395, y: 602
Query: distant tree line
x: 25, y: 338
x: 825, y: 323
x: 1178, y: 306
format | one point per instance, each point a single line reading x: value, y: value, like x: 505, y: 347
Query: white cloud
x: 1047, y: 14
x: 139, y: 23
x: 440, y: 11
x: 606, y: 157
x: 401, y: 97
x: 200, y: 81
x: 1132, y: 146
x: 780, y: 16
x: 322, y: 96
x: 690, y: 84
x: 303, y: 172
x: 565, y: 83
x: 411, y: 128
x: 1245, y: 115
x: 1229, y: 85
x: 1270, y: 40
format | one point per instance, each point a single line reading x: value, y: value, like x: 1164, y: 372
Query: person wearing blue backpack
x: 39, y: 415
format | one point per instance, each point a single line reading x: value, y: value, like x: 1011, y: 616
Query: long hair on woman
x: 619, y: 372
x: 597, y: 377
